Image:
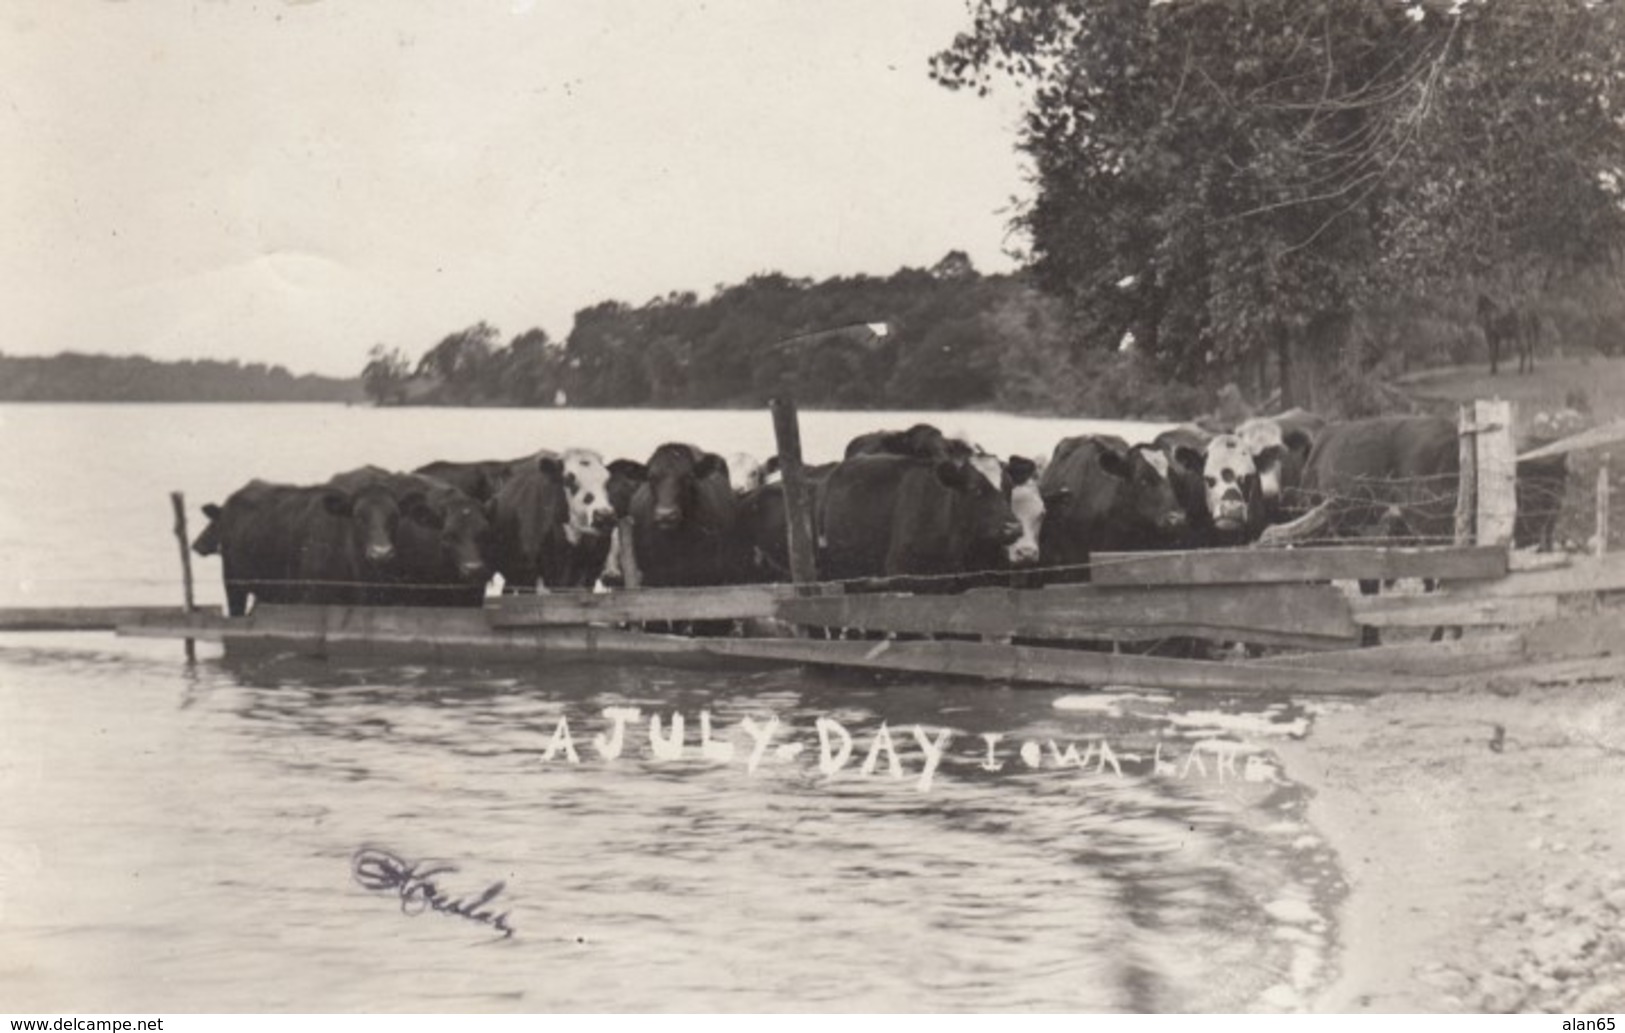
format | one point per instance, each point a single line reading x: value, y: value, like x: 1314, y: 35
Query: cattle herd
x: 914, y: 507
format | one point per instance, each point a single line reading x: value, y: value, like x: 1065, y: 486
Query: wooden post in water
x: 1497, y: 462
x: 797, y: 499
x: 631, y: 576
x: 1601, y: 544
x: 178, y: 501
x: 1467, y: 484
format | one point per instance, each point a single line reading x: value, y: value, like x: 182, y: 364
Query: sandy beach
x: 1482, y: 835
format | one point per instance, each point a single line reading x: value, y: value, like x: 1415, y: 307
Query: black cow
x: 921, y: 441
x: 1186, y: 449
x: 442, y: 543
x: 1387, y: 476
x: 285, y: 544
x: 1101, y: 495
x: 479, y: 480
x: 891, y: 516
x: 683, y: 520
x: 532, y: 537
x: 764, y: 523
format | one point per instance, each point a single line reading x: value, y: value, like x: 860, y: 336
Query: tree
x: 1228, y: 180
x: 385, y: 375
x: 459, y: 362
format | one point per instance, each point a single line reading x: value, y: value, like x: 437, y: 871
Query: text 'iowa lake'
x: 909, y: 752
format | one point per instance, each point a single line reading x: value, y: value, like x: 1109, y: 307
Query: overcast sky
x: 292, y: 182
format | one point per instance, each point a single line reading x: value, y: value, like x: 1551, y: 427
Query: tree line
x: 1301, y: 197
x: 75, y: 377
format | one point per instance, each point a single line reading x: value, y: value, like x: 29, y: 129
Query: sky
x: 294, y: 181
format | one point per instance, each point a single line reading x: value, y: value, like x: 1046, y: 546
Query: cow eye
x: 587, y: 498
x: 1212, y: 482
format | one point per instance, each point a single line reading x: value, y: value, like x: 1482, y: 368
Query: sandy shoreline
x: 1482, y: 835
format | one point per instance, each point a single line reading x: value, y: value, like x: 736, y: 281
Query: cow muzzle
x: 1010, y: 533
x: 1231, y: 515
x: 668, y: 516
x: 1173, y: 520
x: 380, y: 553
x: 473, y: 570
x: 1023, y: 553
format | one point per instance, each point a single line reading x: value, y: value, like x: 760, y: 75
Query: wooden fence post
x: 1601, y: 544
x: 797, y: 499
x: 631, y: 576
x: 178, y: 501
x: 1497, y: 471
x: 1467, y: 485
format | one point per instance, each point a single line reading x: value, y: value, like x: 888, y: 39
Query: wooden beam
x: 1583, y: 574
x: 1252, y: 566
x: 1467, y: 479
x: 81, y: 618
x: 1578, y: 635
x: 434, y: 630
x: 798, y: 496
x: 722, y: 602
x: 1064, y: 666
x: 177, y: 502
x: 1299, y: 616
x: 1443, y: 609
x: 1457, y: 656
x: 1608, y: 434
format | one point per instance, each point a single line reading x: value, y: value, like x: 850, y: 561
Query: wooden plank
x: 433, y: 630
x: 1306, y: 616
x: 1551, y: 672
x: 1452, y: 657
x: 1575, y: 636
x: 1443, y: 609
x: 1064, y: 666
x: 1255, y: 566
x: 1608, y: 434
x: 723, y: 602
x: 1521, y: 560
x: 80, y: 618
x: 1582, y: 574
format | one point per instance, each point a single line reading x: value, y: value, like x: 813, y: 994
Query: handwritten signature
x: 382, y: 871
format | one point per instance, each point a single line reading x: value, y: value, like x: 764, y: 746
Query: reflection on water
x: 183, y: 839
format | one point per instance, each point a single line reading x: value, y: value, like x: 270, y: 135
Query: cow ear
x: 1297, y: 441
x: 1114, y: 463
x: 552, y: 466
x: 211, y: 511
x: 770, y: 467
x: 954, y: 474
x: 337, y: 503
x: 1189, y: 458
x: 630, y: 469
x: 1021, y: 469
x: 1267, y: 457
x: 709, y: 465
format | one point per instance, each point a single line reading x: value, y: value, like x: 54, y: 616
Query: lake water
x: 180, y: 838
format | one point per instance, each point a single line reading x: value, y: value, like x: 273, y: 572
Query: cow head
x: 586, y: 482
x: 983, y: 484
x: 1027, y: 505
x: 461, y: 526
x: 207, y: 543
x: 1147, y: 492
x: 1232, y: 481
x: 745, y: 472
x: 1264, y: 439
x: 375, y: 513
x: 625, y: 477
x: 674, y: 475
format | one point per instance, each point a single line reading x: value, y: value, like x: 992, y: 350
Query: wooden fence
x: 1529, y: 618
